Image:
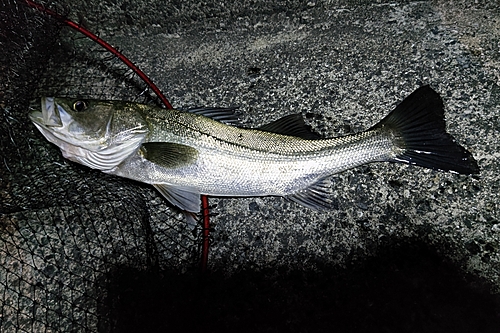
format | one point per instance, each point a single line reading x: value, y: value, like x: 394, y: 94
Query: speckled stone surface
x: 344, y: 67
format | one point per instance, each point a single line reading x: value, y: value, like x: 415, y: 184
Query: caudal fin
x: 419, y: 126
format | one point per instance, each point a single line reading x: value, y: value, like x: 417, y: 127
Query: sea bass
x: 188, y: 153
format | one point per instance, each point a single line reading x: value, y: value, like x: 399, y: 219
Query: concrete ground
x: 401, y: 235
x: 344, y: 67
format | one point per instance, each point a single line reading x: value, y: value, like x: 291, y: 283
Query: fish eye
x: 79, y: 106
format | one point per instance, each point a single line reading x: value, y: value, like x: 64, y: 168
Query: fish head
x: 98, y: 134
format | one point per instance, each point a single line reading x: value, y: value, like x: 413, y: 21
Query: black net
x: 66, y: 231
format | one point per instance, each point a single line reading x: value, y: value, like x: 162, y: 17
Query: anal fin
x: 316, y: 196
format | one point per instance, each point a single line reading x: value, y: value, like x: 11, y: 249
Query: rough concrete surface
x: 344, y: 67
x: 342, y: 64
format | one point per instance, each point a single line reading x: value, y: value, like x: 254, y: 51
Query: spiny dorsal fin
x: 293, y: 125
x: 224, y: 115
x: 168, y: 155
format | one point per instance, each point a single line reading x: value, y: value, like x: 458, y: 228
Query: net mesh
x: 66, y: 231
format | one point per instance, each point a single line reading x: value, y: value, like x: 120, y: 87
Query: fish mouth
x: 51, y: 114
x: 52, y: 121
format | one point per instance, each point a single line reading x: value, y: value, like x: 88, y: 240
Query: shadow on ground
x: 405, y: 289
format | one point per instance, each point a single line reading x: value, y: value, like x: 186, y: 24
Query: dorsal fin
x: 224, y: 115
x: 292, y: 125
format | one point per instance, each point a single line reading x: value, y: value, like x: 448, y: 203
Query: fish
x: 203, y: 151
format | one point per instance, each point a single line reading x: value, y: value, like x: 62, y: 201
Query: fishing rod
x: 205, y: 208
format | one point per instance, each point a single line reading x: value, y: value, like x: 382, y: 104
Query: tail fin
x: 418, y: 123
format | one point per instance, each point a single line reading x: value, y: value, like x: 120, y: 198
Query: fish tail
x: 419, y: 129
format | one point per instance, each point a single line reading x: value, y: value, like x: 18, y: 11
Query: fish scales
x: 256, y: 162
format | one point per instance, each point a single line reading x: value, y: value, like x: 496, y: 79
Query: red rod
x: 206, y: 233
x: 204, y: 199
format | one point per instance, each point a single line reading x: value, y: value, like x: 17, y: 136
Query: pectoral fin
x: 185, y: 199
x: 169, y: 155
